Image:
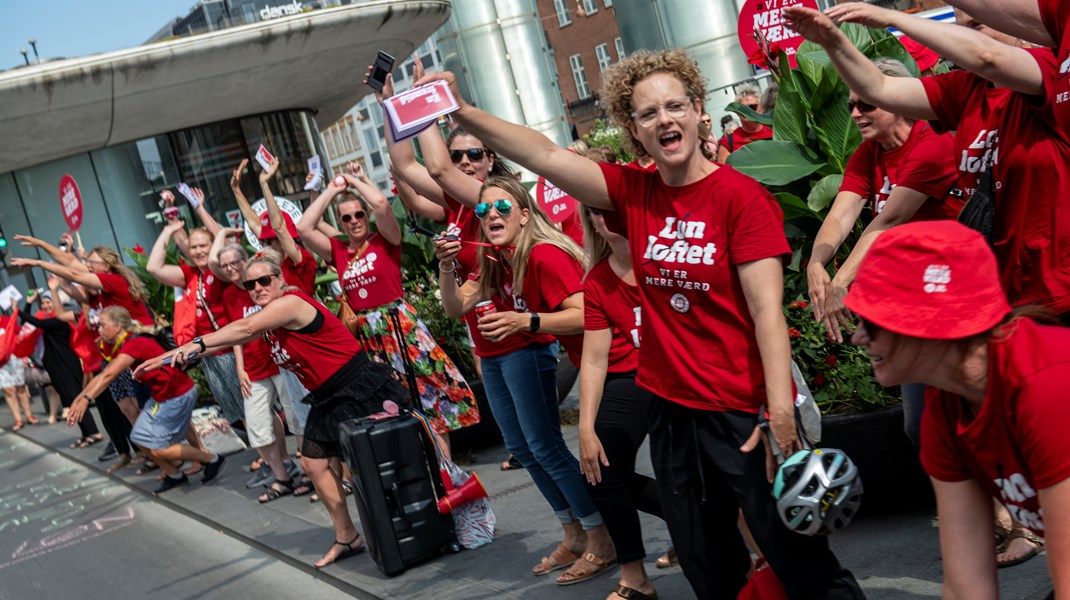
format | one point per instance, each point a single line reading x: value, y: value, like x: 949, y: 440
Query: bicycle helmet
x: 817, y: 491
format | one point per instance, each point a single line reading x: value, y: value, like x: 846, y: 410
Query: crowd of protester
x: 666, y: 289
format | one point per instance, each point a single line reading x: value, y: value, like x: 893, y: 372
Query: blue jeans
x: 522, y: 391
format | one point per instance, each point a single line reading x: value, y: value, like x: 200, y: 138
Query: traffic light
x: 3, y: 243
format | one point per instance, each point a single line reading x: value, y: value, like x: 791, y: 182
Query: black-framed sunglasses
x: 473, y: 154
x: 504, y: 207
x: 360, y: 214
x: 863, y: 107
x: 594, y: 212
x: 250, y: 284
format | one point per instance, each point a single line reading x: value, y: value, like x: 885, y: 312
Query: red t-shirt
x: 552, y: 275
x: 373, y: 279
x: 115, y: 291
x: 1031, y: 158
x: 610, y: 303
x: 256, y: 354
x: 699, y: 347
x: 303, y: 275
x: 1056, y: 17
x: 924, y: 163
x: 166, y: 382
x: 313, y: 357
x: 741, y: 138
x: 463, y: 223
x: 573, y: 227
x: 635, y: 165
x: 1016, y: 444
x: 211, y: 298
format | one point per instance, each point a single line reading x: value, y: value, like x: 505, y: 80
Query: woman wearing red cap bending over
x: 369, y: 269
x: 932, y: 311
x: 706, y: 247
x: 307, y: 339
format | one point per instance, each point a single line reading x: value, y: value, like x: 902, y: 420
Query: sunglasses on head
x: 360, y: 214
x: 504, y: 207
x: 473, y: 154
x: 863, y: 107
x: 250, y: 284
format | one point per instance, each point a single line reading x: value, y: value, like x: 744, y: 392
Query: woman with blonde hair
x: 529, y: 292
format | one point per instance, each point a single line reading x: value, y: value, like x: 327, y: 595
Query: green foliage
x: 161, y: 297
x: 813, y: 138
x: 607, y: 134
x: 421, y: 291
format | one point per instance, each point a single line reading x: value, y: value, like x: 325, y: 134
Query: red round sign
x: 556, y: 204
x: 765, y: 16
x: 70, y: 202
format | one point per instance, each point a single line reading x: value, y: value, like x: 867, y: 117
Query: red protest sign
x: 765, y: 16
x: 411, y: 112
x: 556, y: 204
x: 70, y: 202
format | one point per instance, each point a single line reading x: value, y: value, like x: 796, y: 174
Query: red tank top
x: 314, y: 357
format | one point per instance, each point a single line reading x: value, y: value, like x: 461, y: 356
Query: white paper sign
x: 409, y: 113
x: 316, y: 169
x: 188, y: 193
x: 264, y: 157
x: 9, y: 296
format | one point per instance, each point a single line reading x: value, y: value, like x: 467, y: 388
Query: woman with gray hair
x: 748, y: 131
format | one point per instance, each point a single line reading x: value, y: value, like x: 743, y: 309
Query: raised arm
x: 62, y: 312
x: 278, y: 223
x: 576, y: 176
x: 83, y: 278
x: 903, y: 96
x: 66, y: 259
x: 206, y: 217
x: 157, y: 267
x: 402, y: 155
x: 1002, y: 64
x: 246, y: 209
x: 416, y: 202
x: 385, y: 220
x: 1020, y: 18
x: 838, y: 223
x: 218, y: 243
x: 315, y: 240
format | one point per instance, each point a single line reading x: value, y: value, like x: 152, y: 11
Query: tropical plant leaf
x: 822, y: 77
x: 887, y: 45
x: 790, y: 121
x: 747, y: 112
x: 858, y: 35
x: 775, y: 162
x: 822, y: 194
x: 794, y: 207
x: 836, y: 133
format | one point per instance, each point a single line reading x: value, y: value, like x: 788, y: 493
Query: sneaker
x: 212, y: 469
x: 170, y: 483
x: 108, y: 454
x: 261, y: 477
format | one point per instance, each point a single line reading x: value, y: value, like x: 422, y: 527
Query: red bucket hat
x: 932, y: 279
x: 922, y: 55
x: 267, y: 232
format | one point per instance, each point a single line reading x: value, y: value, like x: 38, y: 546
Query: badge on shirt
x: 680, y: 303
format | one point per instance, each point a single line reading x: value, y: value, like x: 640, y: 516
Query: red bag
x: 27, y: 339
x: 763, y: 584
x: 184, y: 326
x: 9, y: 337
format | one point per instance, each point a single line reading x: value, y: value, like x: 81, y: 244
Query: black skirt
x: 357, y: 390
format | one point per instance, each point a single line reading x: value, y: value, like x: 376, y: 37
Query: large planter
x: 892, y: 477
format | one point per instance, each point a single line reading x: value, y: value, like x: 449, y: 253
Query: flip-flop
x: 560, y: 558
x: 1038, y: 547
x: 88, y: 441
x: 349, y: 551
x: 585, y: 568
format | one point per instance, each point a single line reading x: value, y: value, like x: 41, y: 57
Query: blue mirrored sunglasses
x: 504, y: 207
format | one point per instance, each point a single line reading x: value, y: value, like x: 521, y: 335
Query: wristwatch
x: 200, y: 342
x: 535, y: 323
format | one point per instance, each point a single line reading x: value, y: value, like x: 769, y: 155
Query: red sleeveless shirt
x: 314, y: 357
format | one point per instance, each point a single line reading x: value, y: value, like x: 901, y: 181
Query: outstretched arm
x: 575, y: 175
x: 83, y: 278
x: 900, y: 95
x: 838, y: 223
x: 66, y: 259
x: 1004, y: 65
x: 402, y: 155
x: 315, y: 240
x: 1020, y: 18
x: 246, y: 209
x: 289, y: 247
x: 97, y: 386
x: 416, y: 202
x: 385, y: 219
x: 157, y: 267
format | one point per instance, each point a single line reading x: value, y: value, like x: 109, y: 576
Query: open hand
x: 27, y: 240
x: 863, y: 14
x: 235, y: 176
x: 273, y: 167
x: 450, y: 80
x: 811, y: 24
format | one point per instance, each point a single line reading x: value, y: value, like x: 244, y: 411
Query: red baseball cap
x: 922, y: 55
x: 932, y: 279
x: 267, y: 232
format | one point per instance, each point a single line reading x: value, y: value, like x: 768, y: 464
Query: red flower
x: 181, y: 261
x: 830, y: 360
x: 137, y: 248
x: 799, y: 304
x: 794, y: 333
x: 757, y: 58
x: 820, y: 379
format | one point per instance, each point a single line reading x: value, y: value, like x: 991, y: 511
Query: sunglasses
x: 250, y: 284
x: 863, y: 107
x: 504, y: 207
x: 753, y: 107
x: 360, y: 214
x: 595, y: 212
x: 473, y: 154
x: 234, y: 265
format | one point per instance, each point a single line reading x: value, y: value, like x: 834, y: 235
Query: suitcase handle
x: 396, y: 488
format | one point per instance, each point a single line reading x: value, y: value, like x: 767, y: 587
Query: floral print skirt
x: 395, y: 335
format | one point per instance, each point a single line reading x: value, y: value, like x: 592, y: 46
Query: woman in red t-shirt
x: 390, y: 331
x: 307, y: 339
x: 532, y: 273
x: 707, y: 246
x: 932, y: 311
x: 614, y: 412
x: 162, y: 426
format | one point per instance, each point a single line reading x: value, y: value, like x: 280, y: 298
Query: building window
x: 329, y: 143
x: 590, y: 7
x: 604, y: 58
x: 351, y: 129
x: 582, y: 89
x: 609, y: 3
x: 620, y: 48
x: 561, y: 6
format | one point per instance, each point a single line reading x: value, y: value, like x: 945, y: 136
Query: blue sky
x: 71, y: 28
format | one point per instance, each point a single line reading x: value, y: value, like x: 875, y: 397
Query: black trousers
x: 704, y: 480
x: 621, y: 425
x: 114, y: 421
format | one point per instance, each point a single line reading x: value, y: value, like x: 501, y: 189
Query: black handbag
x: 980, y: 210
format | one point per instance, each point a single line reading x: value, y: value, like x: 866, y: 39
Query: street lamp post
x: 24, y: 56
x: 33, y: 44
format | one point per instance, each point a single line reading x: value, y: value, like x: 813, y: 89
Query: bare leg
x: 634, y: 576
x: 53, y: 404
x: 175, y: 453
x: 23, y: 394
x: 329, y: 488
x: 194, y: 439
x: 13, y: 404
x: 129, y: 407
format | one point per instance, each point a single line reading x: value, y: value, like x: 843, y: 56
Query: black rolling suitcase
x: 397, y: 484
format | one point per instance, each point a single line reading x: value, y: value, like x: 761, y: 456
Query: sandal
x: 1025, y: 534
x: 274, y: 493
x: 119, y: 464
x: 1002, y: 535
x: 349, y: 551
x: 560, y: 558
x: 585, y: 568
x: 86, y: 442
x: 32, y: 420
x: 17, y: 426
x: 256, y: 465
x: 669, y: 559
x: 633, y: 594
x: 512, y: 464
x: 146, y: 467
x: 304, y: 486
